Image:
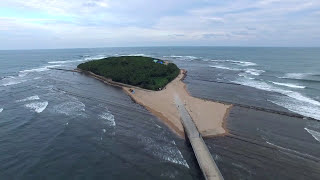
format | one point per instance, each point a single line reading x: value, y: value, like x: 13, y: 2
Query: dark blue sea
x: 64, y: 125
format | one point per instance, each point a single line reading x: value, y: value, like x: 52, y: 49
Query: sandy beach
x: 208, y: 116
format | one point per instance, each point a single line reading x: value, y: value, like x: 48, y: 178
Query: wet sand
x: 208, y: 116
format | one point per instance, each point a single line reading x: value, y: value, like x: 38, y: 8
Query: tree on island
x: 144, y: 72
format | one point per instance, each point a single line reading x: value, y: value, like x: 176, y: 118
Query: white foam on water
x: 300, y: 97
x: 31, y: 98
x: 141, y: 54
x: 104, y: 130
x: 187, y: 58
x: 38, y: 107
x: 242, y: 63
x: 174, y: 56
x: 64, y: 62
x: 267, y: 87
x: 109, y: 117
x: 1, y: 109
x: 299, y: 107
x: 168, y: 152
x: 296, y: 75
x: 40, y: 69
x: 22, y: 75
x: 239, y: 63
x: 245, y: 76
x: 70, y: 108
x: 95, y: 57
x: 296, y: 102
x: 246, y: 63
x: 315, y: 134
x: 288, y: 85
x: 8, y: 81
x: 224, y: 67
x: 293, y: 151
x: 258, y: 85
x: 254, y: 72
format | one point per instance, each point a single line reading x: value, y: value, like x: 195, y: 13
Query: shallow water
x: 63, y: 125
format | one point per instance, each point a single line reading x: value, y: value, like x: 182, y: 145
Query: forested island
x: 145, y: 72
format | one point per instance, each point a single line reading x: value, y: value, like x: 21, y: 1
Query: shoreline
x: 209, y: 116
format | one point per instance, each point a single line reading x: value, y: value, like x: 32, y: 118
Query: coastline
x: 209, y: 116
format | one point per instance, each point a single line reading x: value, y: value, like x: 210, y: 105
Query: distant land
x: 145, y: 72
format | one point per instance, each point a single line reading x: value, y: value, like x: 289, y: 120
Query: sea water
x: 65, y: 125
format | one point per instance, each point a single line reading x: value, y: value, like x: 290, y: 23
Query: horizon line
x: 66, y: 48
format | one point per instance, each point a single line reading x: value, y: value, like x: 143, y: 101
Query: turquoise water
x: 63, y: 125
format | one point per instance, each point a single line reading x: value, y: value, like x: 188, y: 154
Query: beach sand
x: 208, y: 116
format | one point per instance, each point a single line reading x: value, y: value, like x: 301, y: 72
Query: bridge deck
x: 204, y: 158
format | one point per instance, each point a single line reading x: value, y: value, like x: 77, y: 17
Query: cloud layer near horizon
x: 103, y: 23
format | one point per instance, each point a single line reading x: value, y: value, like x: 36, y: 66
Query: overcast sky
x: 33, y: 24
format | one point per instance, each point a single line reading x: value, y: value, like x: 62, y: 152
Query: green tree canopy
x: 134, y: 70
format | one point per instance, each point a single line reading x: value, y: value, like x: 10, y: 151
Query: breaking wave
x: 231, y: 67
x: 8, y: 81
x: 31, y: 98
x: 294, y: 152
x: 288, y: 85
x: 315, y: 134
x: 254, y: 72
x: 295, y: 75
x: 109, y: 117
x: 95, y: 57
x: 64, y: 62
x: 186, y: 58
x: 295, y: 101
x: 223, y: 67
x: 245, y: 76
x: 136, y: 54
x: 1, y: 109
x: 267, y: 87
x: 239, y: 63
x: 303, y: 108
x: 41, y: 69
x: 38, y: 107
x: 168, y: 152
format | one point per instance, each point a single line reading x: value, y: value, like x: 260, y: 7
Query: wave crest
x: 31, y: 98
x: 168, y: 152
x: 315, y: 134
x: 255, y: 72
x: 288, y: 85
x: 295, y: 75
x: 40, y: 69
x: 64, y: 62
x: 109, y: 117
x: 38, y: 107
x: 239, y: 63
x: 224, y: 67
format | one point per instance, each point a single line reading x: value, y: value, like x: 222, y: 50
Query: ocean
x: 64, y: 125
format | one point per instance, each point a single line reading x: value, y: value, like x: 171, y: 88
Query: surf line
x: 289, y: 114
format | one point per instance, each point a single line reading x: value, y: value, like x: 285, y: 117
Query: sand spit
x: 208, y: 116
